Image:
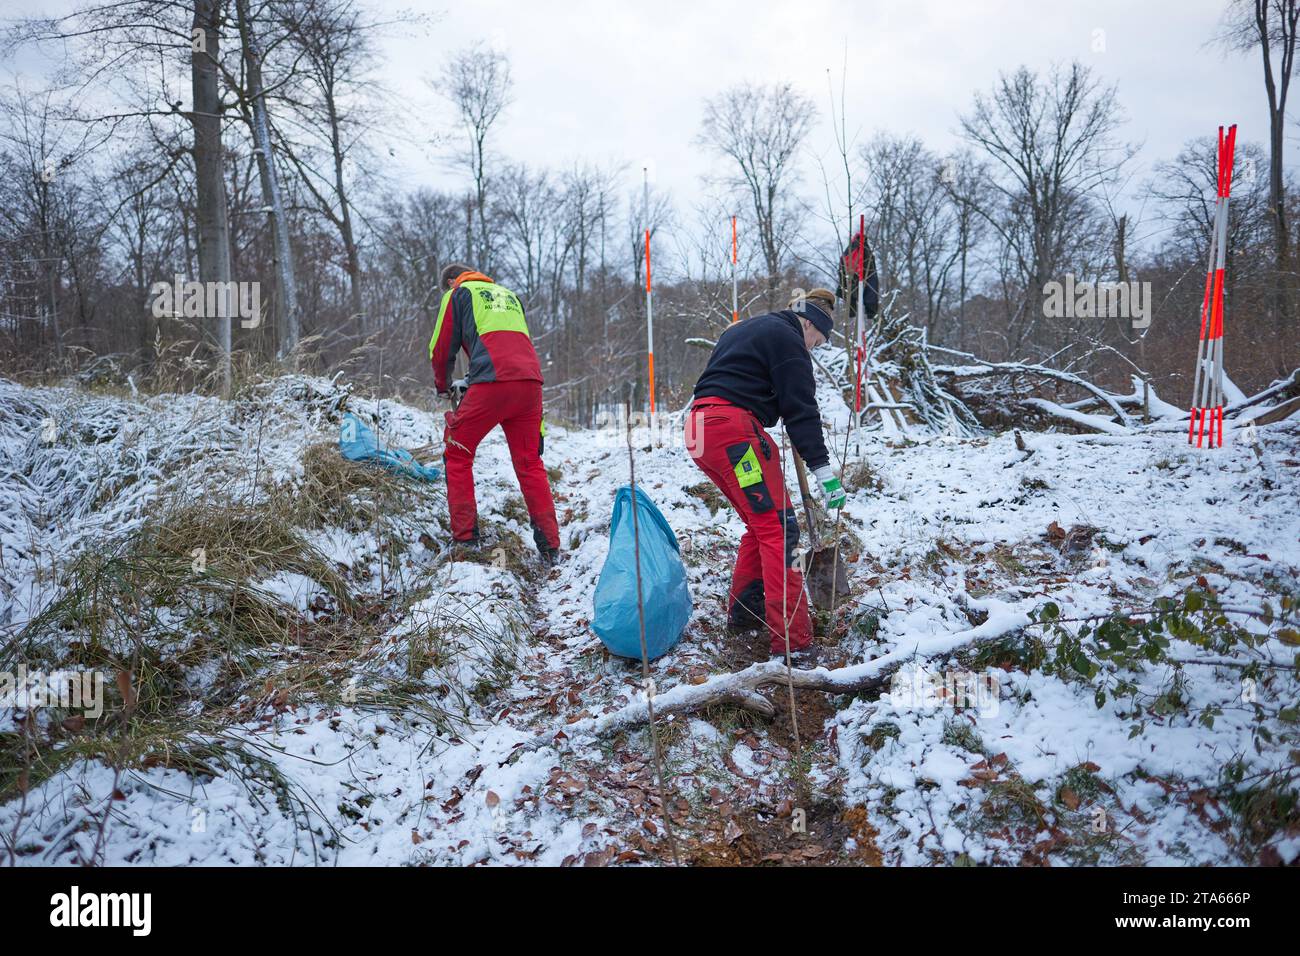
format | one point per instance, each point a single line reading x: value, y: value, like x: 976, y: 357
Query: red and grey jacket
x: 487, y: 321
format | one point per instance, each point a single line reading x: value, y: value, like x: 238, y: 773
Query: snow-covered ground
x: 390, y: 731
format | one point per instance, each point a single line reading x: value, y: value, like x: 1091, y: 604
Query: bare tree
x: 760, y: 129
x: 965, y: 181
x: 1051, y: 144
x: 1185, y: 188
x: 36, y: 161
x: 206, y: 118
x: 477, y: 82
x: 1271, y: 26
x: 914, y: 225
x: 259, y: 121
x: 333, y: 112
x: 147, y: 232
x: 525, y: 201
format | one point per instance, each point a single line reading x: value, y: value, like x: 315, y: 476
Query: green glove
x: 831, y: 487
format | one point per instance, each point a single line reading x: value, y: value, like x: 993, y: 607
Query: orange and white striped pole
x: 649, y: 298
x: 735, y: 300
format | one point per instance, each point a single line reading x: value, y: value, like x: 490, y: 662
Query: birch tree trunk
x: 290, y: 322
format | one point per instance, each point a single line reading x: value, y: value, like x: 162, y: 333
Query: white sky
x: 612, y: 80
x: 626, y: 81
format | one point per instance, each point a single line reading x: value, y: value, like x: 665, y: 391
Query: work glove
x: 831, y: 487
x: 458, y: 390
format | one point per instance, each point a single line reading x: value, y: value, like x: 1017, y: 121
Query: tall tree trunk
x: 46, y: 206
x: 345, y: 219
x: 961, y: 305
x: 213, y: 222
x: 290, y: 323
x: 1277, y: 94
x: 1121, y: 244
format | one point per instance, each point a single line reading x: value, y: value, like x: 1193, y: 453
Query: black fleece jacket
x: 762, y: 365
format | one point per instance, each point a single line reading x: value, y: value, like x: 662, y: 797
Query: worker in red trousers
x: 761, y: 370
x: 503, y: 387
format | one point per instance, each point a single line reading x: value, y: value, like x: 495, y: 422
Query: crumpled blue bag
x: 358, y: 443
x: 665, y: 596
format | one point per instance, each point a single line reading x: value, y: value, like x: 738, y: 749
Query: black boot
x: 550, y: 555
x: 466, y: 547
x: 747, y: 611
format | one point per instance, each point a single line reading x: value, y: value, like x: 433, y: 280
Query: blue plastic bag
x: 358, y: 443
x: 665, y: 596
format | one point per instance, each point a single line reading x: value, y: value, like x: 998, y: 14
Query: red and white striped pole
x: 861, y: 333
x: 1206, y: 417
x: 735, y: 299
x: 649, y: 304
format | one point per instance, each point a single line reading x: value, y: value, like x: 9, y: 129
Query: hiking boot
x: 743, y: 623
x: 463, y: 548
x: 805, y: 658
x: 747, y: 612
x: 550, y: 554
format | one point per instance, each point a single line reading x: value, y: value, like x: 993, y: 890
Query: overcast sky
x: 612, y: 80
x: 621, y: 80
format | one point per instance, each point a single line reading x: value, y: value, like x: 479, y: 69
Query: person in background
x: 502, y: 387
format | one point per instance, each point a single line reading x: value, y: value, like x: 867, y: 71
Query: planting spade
x: 825, y: 576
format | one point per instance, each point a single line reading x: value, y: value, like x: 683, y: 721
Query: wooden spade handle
x: 813, y: 531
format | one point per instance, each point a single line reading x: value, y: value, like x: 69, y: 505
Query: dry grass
x: 242, y: 541
x: 178, y: 598
x: 347, y: 494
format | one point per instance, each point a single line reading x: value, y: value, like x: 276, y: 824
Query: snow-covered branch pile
x: 1009, y: 400
x: 901, y: 393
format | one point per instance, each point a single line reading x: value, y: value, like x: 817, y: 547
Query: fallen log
x: 741, y: 688
x: 1277, y: 413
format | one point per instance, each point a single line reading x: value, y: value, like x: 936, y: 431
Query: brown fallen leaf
x: 1070, y: 798
x: 492, y: 799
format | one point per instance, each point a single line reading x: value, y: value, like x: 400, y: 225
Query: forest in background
x: 245, y: 141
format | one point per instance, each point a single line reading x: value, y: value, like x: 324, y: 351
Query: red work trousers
x: 731, y: 447
x: 517, y: 408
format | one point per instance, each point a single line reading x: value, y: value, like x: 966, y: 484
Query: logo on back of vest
x: 499, y: 300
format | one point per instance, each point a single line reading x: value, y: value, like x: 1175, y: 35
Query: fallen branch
x: 1082, y: 419
x: 1283, y: 388
x: 741, y: 688
x: 984, y: 368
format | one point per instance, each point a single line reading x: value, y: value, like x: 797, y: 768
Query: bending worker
x: 503, y: 387
x: 761, y: 370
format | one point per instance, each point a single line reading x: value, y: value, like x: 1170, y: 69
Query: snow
x: 953, y: 548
